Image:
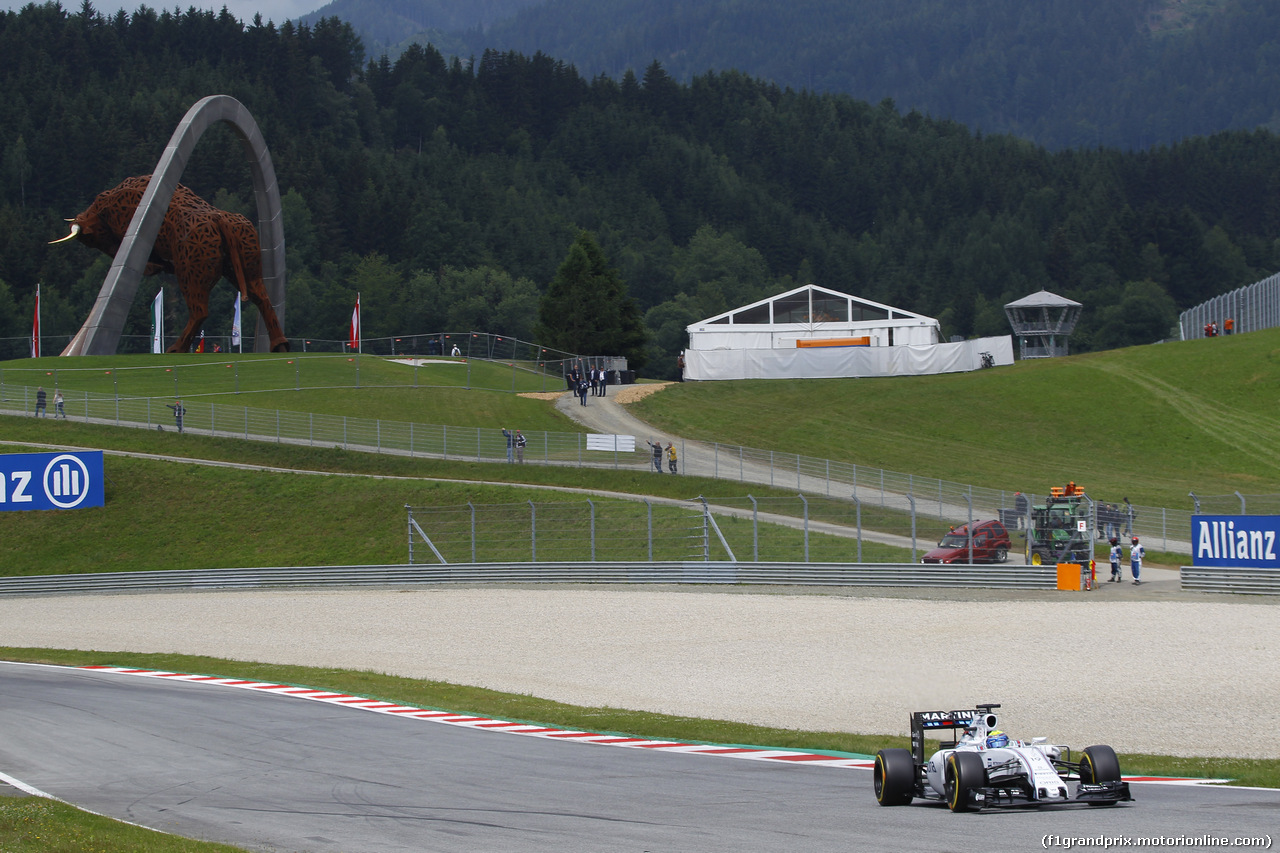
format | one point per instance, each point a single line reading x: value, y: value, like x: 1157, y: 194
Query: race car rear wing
x: 939, y: 721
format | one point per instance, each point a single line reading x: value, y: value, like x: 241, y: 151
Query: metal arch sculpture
x: 100, y: 334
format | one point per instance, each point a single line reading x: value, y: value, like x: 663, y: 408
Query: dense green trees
x: 586, y: 308
x: 1066, y: 73
x: 449, y: 193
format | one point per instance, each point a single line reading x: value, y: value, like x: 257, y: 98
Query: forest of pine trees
x: 449, y: 193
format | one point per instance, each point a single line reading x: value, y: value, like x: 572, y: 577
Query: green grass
x: 524, y: 708
x: 39, y: 825
x: 231, y: 374
x: 165, y: 515
x: 1151, y: 423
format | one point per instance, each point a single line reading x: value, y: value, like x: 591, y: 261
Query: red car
x: 990, y: 544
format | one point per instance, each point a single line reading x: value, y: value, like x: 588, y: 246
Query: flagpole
x: 35, y: 327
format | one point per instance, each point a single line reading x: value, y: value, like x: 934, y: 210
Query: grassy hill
x: 1152, y: 423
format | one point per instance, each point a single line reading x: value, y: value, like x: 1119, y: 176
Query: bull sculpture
x: 197, y: 242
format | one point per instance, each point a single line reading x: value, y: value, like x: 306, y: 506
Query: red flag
x: 200, y: 346
x: 355, y: 326
x: 35, y: 328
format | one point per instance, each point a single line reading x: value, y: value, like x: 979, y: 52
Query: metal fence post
x: 911, y: 499
x: 472, y: 507
x: 755, y: 530
x: 649, y: 510
x: 533, y: 530
x: 806, y: 526
x: 592, y: 507
x: 969, y: 529
x: 410, y: 509
x: 857, y: 508
x: 1243, y: 509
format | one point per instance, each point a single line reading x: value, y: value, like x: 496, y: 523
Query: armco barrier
x: 1250, y: 581
x: 781, y: 574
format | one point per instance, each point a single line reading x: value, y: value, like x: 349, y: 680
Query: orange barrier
x: 864, y: 341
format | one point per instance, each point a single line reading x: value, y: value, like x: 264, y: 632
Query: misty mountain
x: 1064, y: 73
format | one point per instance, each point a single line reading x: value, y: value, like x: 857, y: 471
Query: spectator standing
x: 1136, y: 553
x: 41, y: 400
x: 455, y: 352
x: 1129, y: 515
x: 511, y: 444
x: 1228, y: 325
x: 680, y: 365
x: 179, y: 411
x: 520, y: 445
x: 657, y: 455
x: 671, y: 456
x: 58, y: 411
x: 1116, y: 575
x: 1020, y: 506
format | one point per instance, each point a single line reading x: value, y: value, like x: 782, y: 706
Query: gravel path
x: 1165, y: 676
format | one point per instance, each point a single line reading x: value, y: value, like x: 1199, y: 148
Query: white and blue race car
x: 982, y: 767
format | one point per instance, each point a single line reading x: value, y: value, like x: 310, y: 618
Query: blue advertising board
x: 1247, y: 541
x: 51, y: 480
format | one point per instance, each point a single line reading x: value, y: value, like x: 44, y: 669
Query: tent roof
x: 823, y: 291
x: 1043, y: 299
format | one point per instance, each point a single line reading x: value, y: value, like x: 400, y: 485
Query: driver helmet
x: 1115, y: 541
x: 1135, y: 540
x: 997, y: 739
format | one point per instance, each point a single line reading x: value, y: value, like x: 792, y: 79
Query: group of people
x: 1112, y: 519
x: 659, y: 451
x: 515, y: 445
x: 42, y: 402
x: 1136, y: 553
x: 1211, y: 328
x: 594, y: 381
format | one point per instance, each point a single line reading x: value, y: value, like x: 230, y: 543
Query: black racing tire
x: 1099, y: 764
x: 964, y: 774
x: 894, y: 777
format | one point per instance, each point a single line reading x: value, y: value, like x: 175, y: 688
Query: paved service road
x: 269, y: 772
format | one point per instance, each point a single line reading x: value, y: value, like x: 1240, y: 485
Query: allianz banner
x: 1247, y: 541
x: 51, y: 480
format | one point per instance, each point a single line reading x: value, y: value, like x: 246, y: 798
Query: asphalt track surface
x: 271, y: 772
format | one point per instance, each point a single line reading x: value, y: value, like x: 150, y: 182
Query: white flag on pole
x: 157, y: 322
x: 235, y: 324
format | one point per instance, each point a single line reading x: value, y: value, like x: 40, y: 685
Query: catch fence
x: 1251, y: 308
x: 862, y: 487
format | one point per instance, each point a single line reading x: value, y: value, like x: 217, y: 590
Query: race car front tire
x: 1099, y: 764
x: 894, y: 777
x: 964, y: 774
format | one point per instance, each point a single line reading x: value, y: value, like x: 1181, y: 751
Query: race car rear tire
x: 964, y: 774
x: 894, y: 777
x: 1098, y: 765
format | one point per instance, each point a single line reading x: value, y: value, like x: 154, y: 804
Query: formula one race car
x: 982, y: 767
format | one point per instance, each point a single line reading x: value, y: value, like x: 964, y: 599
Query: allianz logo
x: 1222, y: 540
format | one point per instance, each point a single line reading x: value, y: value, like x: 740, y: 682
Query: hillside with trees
x: 450, y: 194
x: 1063, y: 73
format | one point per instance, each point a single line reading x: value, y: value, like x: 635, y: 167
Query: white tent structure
x: 812, y: 332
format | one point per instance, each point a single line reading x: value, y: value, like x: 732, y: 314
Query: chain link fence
x: 883, y: 498
x: 736, y: 529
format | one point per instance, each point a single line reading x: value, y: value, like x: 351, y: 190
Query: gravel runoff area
x: 1169, y: 677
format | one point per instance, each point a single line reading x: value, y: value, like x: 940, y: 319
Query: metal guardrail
x: 696, y: 572
x: 1238, y: 580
